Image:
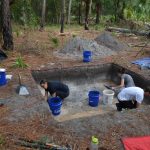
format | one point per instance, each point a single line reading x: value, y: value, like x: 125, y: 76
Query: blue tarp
x: 144, y: 62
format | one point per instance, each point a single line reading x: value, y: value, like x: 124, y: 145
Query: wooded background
x: 38, y: 13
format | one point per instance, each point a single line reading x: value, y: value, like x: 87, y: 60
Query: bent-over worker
x: 130, y: 97
x: 55, y: 88
x: 126, y: 81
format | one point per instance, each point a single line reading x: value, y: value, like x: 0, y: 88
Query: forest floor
x: 29, y: 116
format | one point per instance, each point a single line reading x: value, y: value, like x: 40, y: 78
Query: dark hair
x: 121, y: 71
x: 42, y: 82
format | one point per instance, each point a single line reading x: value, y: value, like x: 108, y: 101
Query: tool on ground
x: 108, y: 86
x: 22, y: 89
x: 40, y: 145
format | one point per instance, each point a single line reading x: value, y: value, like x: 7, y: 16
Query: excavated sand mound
x: 76, y: 46
x: 111, y: 42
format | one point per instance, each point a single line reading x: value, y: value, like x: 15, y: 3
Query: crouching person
x: 55, y: 88
x: 130, y: 98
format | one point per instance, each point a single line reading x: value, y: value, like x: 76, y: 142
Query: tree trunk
x: 79, y: 11
x: 43, y: 15
x: 123, y: 30
x: 119, y: 9
x: 90, y: 7
x: 98, y: 9
x: 69, y: 11
x: 116, y: 9
x: 0, y: 17
x: 6, y: 26
x: 1, y: 22
x: 87, y: 3
x: 24, y: 14
x: 62, y: 17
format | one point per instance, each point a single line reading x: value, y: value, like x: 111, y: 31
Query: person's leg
x: 127, y: 104
x: 119, y: 105
x: 62, y: 94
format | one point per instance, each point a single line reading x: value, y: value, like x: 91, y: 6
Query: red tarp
x: 137, y: 143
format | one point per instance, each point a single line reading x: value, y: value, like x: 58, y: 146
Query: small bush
x: 113, y: 34
x: 2, y: 140
x: 19, y: 63
x: 55, y: 41
x: 74, y: 35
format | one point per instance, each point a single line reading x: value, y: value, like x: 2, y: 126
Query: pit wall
x: 102, y: 71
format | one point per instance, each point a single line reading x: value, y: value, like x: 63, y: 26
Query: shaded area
x: 2, y: 55
x: 89, y: 73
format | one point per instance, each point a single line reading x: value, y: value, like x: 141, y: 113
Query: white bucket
x: 108, y: 96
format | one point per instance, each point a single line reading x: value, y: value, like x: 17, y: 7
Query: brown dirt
x: 36, y: 49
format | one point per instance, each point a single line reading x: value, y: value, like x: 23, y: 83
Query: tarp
x: 136, y: 143
x: 144, y: 62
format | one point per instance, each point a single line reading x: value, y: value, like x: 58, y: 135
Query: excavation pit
x: 81, y: 80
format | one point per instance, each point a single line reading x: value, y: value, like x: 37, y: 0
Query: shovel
x: 21, y: 89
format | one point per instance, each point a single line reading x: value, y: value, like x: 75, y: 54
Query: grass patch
x: 19, y: 63
x: 54, y: 41
x: 2, y: 140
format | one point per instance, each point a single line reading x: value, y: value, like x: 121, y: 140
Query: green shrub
x: 55, y: 41
x: 2, y: 140
x: 74, y: 35
x: 19, y: 63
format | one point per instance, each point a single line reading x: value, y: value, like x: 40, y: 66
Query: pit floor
x: 76, y: 105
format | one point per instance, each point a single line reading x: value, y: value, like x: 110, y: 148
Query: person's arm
x: 46, y: 95
x: 53, y: 95
x: 138, y: 105
x: 119, y: 86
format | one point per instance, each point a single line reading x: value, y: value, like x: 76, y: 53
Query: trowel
x: 22, y: 89
x: 108, y: 86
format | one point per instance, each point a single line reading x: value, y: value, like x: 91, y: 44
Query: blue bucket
x: 94, y: 98
x: 55, y: 104
x: 3, y: 80
x: 87, y: 56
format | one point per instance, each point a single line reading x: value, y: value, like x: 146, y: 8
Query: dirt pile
x: 76, y: 46
x: 111, y: 42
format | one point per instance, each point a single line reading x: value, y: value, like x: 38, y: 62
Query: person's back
x: 57, y: 86
x: 130, y: 97
x: 128, y: 80
x: 131, y: 93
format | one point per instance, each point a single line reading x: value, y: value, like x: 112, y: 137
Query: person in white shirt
x: 130, y: 97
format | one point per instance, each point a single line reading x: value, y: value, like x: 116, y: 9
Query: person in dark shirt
x: 55, y: 88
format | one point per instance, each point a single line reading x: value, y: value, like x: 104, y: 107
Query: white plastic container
x: 108, y: 96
